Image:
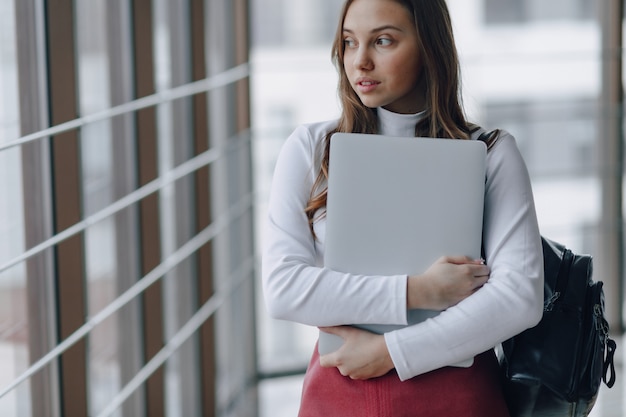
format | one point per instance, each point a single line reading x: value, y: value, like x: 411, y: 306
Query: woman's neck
x: 396, y: 124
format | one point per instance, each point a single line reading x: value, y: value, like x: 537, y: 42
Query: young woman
x: 399, y: 76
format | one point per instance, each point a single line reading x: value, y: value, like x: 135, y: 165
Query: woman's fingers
x: 461, y: 260
x: 341, y: 331
x: 363, y: 355
x: 447, y: 282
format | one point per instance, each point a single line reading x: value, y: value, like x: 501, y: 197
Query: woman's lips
x: 367, y: 85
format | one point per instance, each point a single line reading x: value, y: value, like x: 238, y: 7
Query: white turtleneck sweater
x: 298, y: 288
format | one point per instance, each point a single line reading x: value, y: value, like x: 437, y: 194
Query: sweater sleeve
x: 296, y: 285
x: 510, y: 302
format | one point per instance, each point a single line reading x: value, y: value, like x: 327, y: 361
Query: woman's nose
x: 362, y: 59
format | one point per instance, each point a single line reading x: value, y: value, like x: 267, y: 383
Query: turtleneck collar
x: 396, y: 124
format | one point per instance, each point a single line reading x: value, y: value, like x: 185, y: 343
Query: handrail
x: 186, y: 250
x: 182, y: 170
x: 191, y: 326
x: 207, y: 84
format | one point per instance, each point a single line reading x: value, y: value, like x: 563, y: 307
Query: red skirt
x: 446, y: 392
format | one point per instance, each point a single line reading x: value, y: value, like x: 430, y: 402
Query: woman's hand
x: 446, y: 282
x: 363, y: 355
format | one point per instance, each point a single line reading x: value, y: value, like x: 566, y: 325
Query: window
x: 544, y: 129
x: 113, y: 213
x: 525, y: 11
x: 15, y: 325
x: 278, y: 23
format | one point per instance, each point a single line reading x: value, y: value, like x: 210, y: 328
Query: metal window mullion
x: 37, y: 202
x: 177, y: 213
x: 130, y: 348
x: 610, y: 257
x: 70, y: 279
x: 149, y: 213
x: 218, y: 49
x: 248, y: 293
x: 236, y: 350
x: 242, y: 53
x: 202, y: 200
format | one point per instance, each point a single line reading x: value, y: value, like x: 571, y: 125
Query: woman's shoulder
x: 315, y: 131
x: 504, y: 158
x: 309, y: 137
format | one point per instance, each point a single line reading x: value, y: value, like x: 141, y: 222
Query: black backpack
x: 556, y: 367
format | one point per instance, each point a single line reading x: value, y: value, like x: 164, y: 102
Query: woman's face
x: 381, y: 55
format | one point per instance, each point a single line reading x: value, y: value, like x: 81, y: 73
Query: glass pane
x: 97, y: 174
x: 287, y: 53
x: 14, y: 329
x: 14, y: 355
x: 172, y: 69
x: 528, y: 11
x: 541, y: 82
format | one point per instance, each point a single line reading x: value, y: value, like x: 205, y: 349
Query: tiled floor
x: 281, y: 397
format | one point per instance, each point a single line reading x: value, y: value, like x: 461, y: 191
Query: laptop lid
x: 396, y: 204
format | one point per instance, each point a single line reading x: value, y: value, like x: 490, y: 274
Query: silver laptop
x: 395, y: 205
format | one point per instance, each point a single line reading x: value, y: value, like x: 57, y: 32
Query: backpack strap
x: 490, y: 138
x: 609, y: 365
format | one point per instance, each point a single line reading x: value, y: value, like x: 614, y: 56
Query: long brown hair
x: 440, y: 71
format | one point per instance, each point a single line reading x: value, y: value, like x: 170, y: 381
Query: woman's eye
x: 383, y: 41
x: 349, y: 43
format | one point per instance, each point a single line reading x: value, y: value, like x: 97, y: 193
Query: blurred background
x: 137, y: 146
